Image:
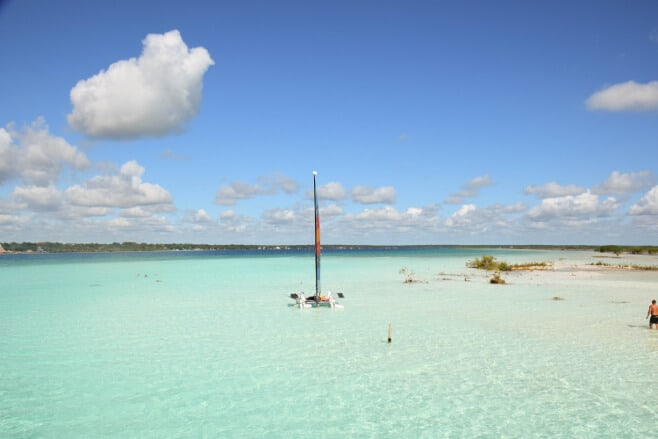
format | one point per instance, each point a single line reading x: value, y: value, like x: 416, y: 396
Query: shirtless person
x: 653, y: 312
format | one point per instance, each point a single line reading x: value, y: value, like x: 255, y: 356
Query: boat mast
x: 317, y: 239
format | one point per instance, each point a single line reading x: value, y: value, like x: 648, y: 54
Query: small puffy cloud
x: 227, y: 215
x: 227, y: 195
x: 232, y: 222
x: 13, y: 223
x: 496, y: 220
x: 39, y: 198
x: 199, y: 220
x: 279, y: 216
x: 553, y: 189
x: 618, y: 183
x: 8, y: 156
x: 583, y: 206
x: 478, y: 183
x: 153, y: 95
x: 331, y: 191
x: 369, y: 195
x: 626, y: 96
x: 648, y: 204
x: 36, y: 156
x: 461, y: 216
x: 154, y: 223
x: 278, y: 182
x: 201, y: 216
x: 330, y: 212
x: 469, y: 189
x: 384, y: 214
x: 135, y: 212
x: 125, y: 190
x: 386, y: 224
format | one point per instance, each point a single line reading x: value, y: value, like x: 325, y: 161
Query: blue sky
x: 428, y: 122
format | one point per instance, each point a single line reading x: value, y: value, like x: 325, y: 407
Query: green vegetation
x: 625, y: 266
x: 490, y: 263
x: 496, y: 279
x: 636, y: 250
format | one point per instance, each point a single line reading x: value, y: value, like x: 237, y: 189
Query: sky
x: 428, y: 122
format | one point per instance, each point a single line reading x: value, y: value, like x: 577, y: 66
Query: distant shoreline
x: 56, y: 247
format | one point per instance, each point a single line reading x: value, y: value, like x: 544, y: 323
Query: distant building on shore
x: 2, y: 250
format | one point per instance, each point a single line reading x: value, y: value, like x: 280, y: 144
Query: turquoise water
x: 201, y: 344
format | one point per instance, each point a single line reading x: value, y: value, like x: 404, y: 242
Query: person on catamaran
x: 653, y: 312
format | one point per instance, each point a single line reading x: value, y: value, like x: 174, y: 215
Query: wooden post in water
x: 390, y: 332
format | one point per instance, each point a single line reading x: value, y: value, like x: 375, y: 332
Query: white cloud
x: 227, y: 215
x: 75, y: 213
x: 278, y: 182
x: 386, y: 213
x: 8, y: 155
x: 232, y: 222
x: 154, y: 223
x: 227, y: 195
x: 36, y: 156
x: 13, y: 223
x: 369, y: 195
x: 279, y: 216
x: 153, y: 95
x: 461, y: 216
x: 331, y: 191
x: 124, y: 190
x: 330, y: 212
x: 39, y: 198
x: 582, y: 207
x: 478, y: 183
x: 470, y: 189
x: 626, y: 96
x: 552, y: 189
x: 201, y: 216
x: 135, y: 212
x: 648, y: 204
x: 618, y: 183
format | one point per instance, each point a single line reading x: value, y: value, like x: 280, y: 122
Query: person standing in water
x: 653, y: 312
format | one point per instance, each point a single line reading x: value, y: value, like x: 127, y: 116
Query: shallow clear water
x: 204, y: 345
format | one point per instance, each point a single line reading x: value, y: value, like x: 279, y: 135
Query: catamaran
x: 318, y: 300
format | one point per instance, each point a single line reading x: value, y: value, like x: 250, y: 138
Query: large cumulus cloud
x: 153, y: 95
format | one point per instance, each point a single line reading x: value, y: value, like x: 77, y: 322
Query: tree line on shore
x: 636, y: 250
x: 59, y: 247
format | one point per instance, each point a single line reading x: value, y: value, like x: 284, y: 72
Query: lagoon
x: 203, y: 344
